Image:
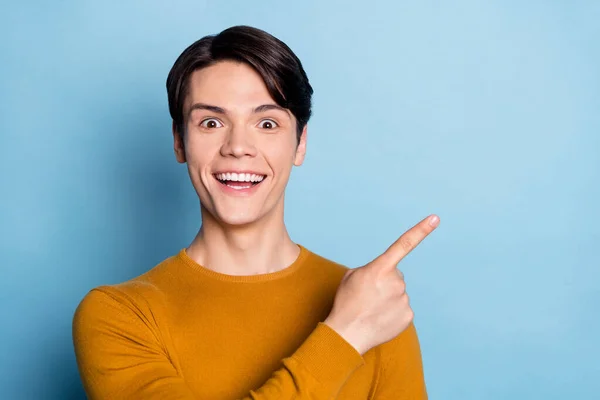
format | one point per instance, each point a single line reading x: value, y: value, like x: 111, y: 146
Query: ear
x: 178, y: 145
x: 301, y: 149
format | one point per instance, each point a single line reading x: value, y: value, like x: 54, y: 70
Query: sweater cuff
x: 328, y: 356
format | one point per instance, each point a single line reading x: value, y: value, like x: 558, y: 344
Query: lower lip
x: 239, y: 192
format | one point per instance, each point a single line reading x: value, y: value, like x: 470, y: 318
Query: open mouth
x: 239, y: 181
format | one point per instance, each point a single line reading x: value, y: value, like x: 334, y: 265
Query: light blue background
x: 484, y: 112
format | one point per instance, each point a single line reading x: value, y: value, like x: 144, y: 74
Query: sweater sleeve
x: 121, y: 356
x: 401, y: 373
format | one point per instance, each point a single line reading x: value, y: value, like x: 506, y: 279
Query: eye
x: 211, y: 123
x: 267, y: 124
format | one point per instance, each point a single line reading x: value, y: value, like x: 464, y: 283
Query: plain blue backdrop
x: 484, y: 112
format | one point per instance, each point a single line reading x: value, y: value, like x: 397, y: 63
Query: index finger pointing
x: 407, y: 242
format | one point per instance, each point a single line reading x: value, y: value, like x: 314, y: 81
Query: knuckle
x: 402, y: 287
x: 406, y: 243
x: 368, y: 273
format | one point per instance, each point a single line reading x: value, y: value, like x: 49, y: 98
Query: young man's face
x: 239, y: 145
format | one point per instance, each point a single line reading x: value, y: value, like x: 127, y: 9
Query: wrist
x: 348, y: 334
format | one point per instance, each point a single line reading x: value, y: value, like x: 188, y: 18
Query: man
x: 244, y: 312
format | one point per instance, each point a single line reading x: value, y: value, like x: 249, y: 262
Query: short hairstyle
x: 275, y: 62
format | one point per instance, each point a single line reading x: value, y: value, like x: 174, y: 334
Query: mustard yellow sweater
x: 182, y: 331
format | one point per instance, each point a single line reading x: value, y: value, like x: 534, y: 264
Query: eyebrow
x: 269, y: 107
x: 220, y: 110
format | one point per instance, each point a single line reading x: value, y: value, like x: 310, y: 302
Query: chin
x: 239, y: 218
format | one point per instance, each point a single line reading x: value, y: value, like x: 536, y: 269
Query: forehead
x: 227, y: 84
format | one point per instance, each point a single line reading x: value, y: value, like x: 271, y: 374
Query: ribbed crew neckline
x: 293, y: 267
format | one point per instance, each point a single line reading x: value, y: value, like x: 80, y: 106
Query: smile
x: 239, y: 181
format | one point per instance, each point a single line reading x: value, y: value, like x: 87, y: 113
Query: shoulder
x: 403, y: 346
x: 114, y: 324
x: 401, y: 356
x: 321, y: 265
x: 401, y: 367
x: 135, y: 297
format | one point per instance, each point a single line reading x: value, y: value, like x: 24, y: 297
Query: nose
x: 238, y: 143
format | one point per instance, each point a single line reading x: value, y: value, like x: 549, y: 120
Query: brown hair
x: 278, y: 66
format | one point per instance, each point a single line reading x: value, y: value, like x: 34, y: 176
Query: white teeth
x: 242, y: 177
x: 257, y: 178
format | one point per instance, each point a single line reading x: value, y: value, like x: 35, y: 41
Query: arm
x: 371, y: 308
x: 401, y: 373
x: 120, y: 355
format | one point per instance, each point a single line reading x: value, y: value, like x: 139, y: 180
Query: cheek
x: 199, y: 152
x: 199, y: 155
x: 282, y: 163
x: 281, y: 148
x: 279, y: 154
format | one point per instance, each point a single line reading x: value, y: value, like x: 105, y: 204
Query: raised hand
x: 371, y: 306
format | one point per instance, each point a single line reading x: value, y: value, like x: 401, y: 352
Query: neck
x: 261, y: 247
